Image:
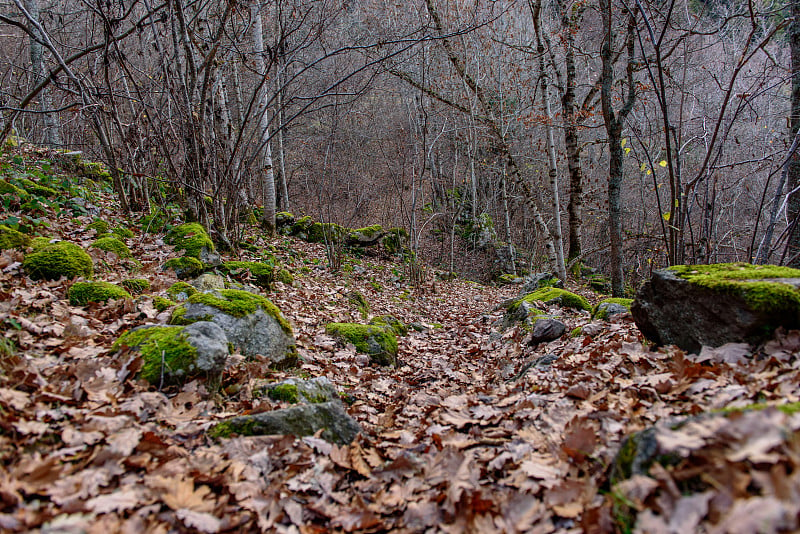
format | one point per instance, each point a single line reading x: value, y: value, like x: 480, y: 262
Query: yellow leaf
x: 649, y: 172
x: 643, y: 167
x: 663, y: 163
x: 623, y: 142
x: 666, y: 216
x: 628, y: 150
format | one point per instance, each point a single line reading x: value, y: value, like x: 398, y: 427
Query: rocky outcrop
x: 695, y: 305
x: 378, y: 341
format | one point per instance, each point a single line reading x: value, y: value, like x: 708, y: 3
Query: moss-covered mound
x: 113, y: 245
x: 82, y: 293
x: 191, y: 238
x: 262, y: 274
x: 185, y: 267
x: 17, y: 194
x: 235, y: 303
x: 548, y: 295
x: 100, y: 226
x: 10, y: 238
x: 181, y: 291
x: 122, y: 233
x: 58, y: 259
x: 377, y: 341
x: 38, y: 243
x: 322, y: 232
x: 392, y: 323
x: 608, y: 307
x: 162, y: 304
x: 37, y: 189
x: 136, y: 286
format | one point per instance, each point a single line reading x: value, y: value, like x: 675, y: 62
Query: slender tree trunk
x: 793, y: 172
x: 268, y: 218
x: 52, y: 128
x: 575, y: 204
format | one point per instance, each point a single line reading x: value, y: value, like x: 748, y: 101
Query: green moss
x: 226, y: 429
x: 114, y: 245
x: 547, y: 294
x: 175, y: 290
x: 379, y: 342
x: 576, y: 332
x: 11, y: 189
x: 240, y: 303
x: 392, y: 323
x: 361, y: 304
x: 38, y: 243
x: 392, y: 242
x: 319, y: 232
x: 283, y: 392
x: 185, y: 267
x: 99, y: 225
x: 285, y: 277
x: 37, y: 189
x: 191, y: 238
x: 10, y: 238
x: 162, y: 304
x: 750, y: 282
x: 82, y: 293
x: 789, y: 408
x: 136, y: 286
x: 153, y: 223
x: 263, y: 273
x: 161, y: 348
x: 58, y: 259
x: 506, y: 279
x: 122, y: 233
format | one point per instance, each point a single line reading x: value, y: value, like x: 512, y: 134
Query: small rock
x: 547, y: 329
x: 592, y: 329
x: 208, y: 282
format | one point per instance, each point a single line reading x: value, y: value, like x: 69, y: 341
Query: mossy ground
x: 136, y: 286
x: 750, y: 282
x: 547, y: 294
x: 122, y: 233
x: 114, y: 245
x: 55, y: 260
x: 174, y: 291
x: 238, y: 304
x: 100, y: 226
x: 10, y: 238
x: 283, y: 392
x: 162, y: 304
x: 165, y: 352
x: 191, y: 238
x: 82, y: 293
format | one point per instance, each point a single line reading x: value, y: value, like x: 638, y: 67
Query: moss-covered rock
x: 609, y: 308
x: 180, y: 291
x: 262, y: 274
x: 82, y: 293
x: 122, y: 233
x: 38, y: 243
x: 328, y: 418
x: 113, y: 245
x: 162, y: 304
x: 55, y: 260
x: 19, y: 194
x: 366, y: 237
x: 394, y: 239
x: 695, y: 305
x: 175, y: 354
x: 185, y: 267
x: 191, y: 238
x: 37, y: 189
x: 136, y: 286
x: 252, y: 323
x: 392, y: 323
x: 10, y: 238
x: 322, y: 232
x: 359, y: 302
x: 98, y: 225
x: 294, y: 390
x: 379, y: 342
x: 285, y: 277
x: 552, y: 295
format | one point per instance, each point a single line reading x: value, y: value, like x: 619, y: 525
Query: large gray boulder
x: 251, y: 322
x: 301, y: 420
x: 695, y: 305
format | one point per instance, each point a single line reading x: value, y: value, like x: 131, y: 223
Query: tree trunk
x: 793, y: 174
x: 52, y: 129
x: 575, y: 204
x: 268, y: 218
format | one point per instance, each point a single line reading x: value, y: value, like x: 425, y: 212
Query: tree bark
x: 52, y: 128
x: 268, y: 198
x: 793, y: 172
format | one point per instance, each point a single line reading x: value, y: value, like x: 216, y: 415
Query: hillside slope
x: 475, y: 430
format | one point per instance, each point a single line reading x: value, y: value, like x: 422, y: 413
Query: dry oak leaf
x: 181, y: 493
x: 199, y: 520
x: 124, y: 499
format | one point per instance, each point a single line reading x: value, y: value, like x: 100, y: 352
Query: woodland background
x: 503, y: 135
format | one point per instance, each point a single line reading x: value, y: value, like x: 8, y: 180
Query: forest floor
x: 472, y: 432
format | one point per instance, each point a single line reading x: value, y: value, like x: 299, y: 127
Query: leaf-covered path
x: 475, y: 431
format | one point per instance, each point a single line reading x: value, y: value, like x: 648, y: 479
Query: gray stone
x: 208, y: 282
x: 311, y: 391
x: 211, y: 344
x: 257, y: 333
x: 610, y: 310
x: 301, y: 420
x: 210, y: 258
x: 547, y: 329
